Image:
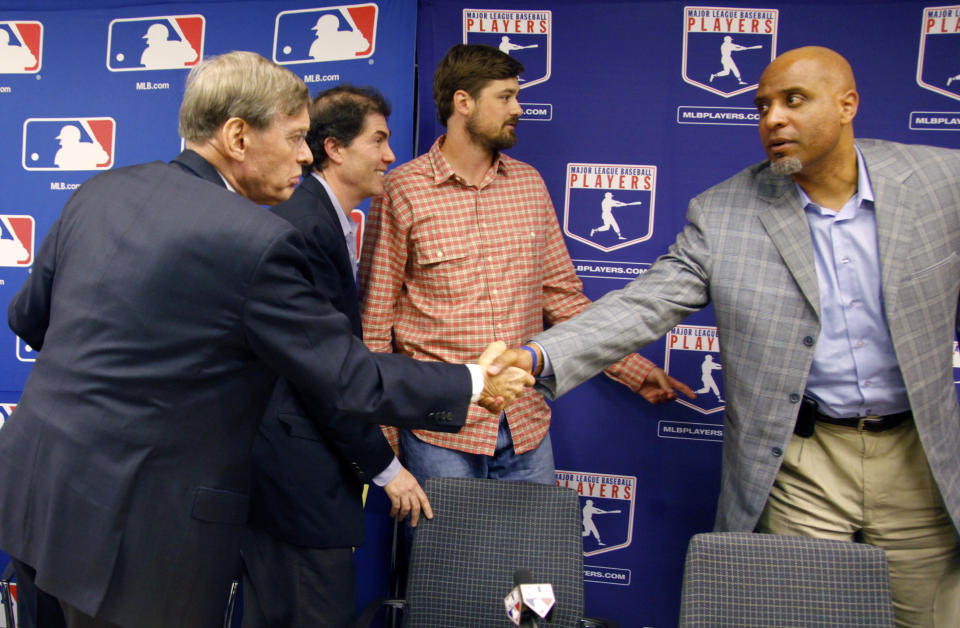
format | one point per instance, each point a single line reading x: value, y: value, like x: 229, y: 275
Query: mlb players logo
x: 609, y: 206
x: 524, y: 35
x: 163, y: 42
x: 21, y: 45
x: 335, y: 33
x: 68, y: 143
x: 693, y: 354
x: 938, y: 65
x: 16, y: 241
x: 725, y: 49
x: 606, y: 508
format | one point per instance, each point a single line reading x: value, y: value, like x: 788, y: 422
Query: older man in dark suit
x: 164, y: 304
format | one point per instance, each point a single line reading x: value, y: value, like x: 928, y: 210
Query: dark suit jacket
x: 308, y: 478
x: 163, y: 307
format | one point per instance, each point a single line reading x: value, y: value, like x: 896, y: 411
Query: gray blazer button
x: 794, y: 398
x: 777, y: 452
x: 808, y: 341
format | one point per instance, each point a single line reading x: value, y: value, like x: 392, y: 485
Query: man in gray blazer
x: 164, y: 302
x: 834, y: 271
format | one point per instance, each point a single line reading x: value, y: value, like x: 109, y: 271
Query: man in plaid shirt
x: 464, y: 248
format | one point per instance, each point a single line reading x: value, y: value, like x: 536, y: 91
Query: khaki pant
x: 875, y: 487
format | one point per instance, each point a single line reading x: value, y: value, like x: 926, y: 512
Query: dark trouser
x: 37, y: 609
x: 287, y: 586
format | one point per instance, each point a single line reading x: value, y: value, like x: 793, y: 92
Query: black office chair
x: 463, y: 561
x: 743, y: 580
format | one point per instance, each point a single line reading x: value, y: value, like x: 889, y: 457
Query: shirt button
x: 866, y: 384
x: 439, y: 254
x: 845, y: 260
x: 794, y: 398
x: 777, y: 452
x: 494, y: 291
x: 490, y: 258
x: 859, y: 343
x: 808, y: 341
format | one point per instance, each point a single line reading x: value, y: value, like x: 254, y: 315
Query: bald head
x: 829, y: 65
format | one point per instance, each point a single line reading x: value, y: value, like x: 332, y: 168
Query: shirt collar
x: 864, y: 189
x: 346, y: 224
x: 442, y: 171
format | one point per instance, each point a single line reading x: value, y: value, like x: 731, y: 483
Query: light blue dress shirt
x: 855, y: 370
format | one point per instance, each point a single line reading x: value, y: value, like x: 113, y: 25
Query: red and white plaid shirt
x: 447, y: 268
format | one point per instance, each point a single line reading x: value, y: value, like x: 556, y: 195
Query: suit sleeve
x: 302, y: 337
x: 29, y: 312
x: 563, y: 298
x: 354, y: 442
x: 628, y: 319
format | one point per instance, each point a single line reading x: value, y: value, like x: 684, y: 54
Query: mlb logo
x: 334, y: 33
x: 164, y: 42
x: 938, y: 64
x: 725, y: 50
x: 693, y: 353
x: 25, y: 353
x: 524, y: 35
x: 609, y: 206
x: 6, y: 409
x: 21, y: 46
x: 68, y: 143
x: 16, y: 241
x: 606, y: 508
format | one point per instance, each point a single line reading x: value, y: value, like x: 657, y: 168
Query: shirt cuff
x: 386, y: 476
x: 476, y: 376
x: 547, y: 370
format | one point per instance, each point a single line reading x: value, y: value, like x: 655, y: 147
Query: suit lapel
x: 894, y: 208
x: 786, y: 224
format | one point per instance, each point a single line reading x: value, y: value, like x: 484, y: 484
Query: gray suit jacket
x: 747, y: 249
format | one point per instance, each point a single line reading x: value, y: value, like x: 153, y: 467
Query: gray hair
x: 241, y: 85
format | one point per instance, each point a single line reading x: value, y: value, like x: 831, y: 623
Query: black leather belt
x: 869, y: 423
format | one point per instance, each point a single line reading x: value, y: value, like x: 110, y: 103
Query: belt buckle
x: 871, y: 420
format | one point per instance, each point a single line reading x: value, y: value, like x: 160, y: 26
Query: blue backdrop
x: 646, y: 101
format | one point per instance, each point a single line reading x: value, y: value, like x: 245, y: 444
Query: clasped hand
x: 500, y: 389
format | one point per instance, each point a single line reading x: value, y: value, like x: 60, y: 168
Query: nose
x: 775, y: 117
x: 304, y: 156
x: 516, y: 109
x: 388, y: 156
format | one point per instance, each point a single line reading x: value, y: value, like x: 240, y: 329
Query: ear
x: 463, y: 102
x: 334, y: 149
x: 849, y: 102
x: 234, y: 137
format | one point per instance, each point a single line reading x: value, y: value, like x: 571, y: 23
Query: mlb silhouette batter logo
x: 335, y: 33
x: 163, y: 42
x: 938, y: 63
x: 693, y: 354
x: 726, y: 49
x: 68, y: 143
x: 609, y: 206
x: 606, y: 508
x: 16, y: 241
x: 21, y: 46
x: 524, y: 35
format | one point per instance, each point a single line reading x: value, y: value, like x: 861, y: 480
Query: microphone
x: 527, y: 602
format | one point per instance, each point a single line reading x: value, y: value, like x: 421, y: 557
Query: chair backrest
x: 764, y: 580
x: 463, y: 560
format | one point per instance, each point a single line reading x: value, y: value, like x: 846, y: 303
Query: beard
x: 491, y: 142
x: 786, y: 166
